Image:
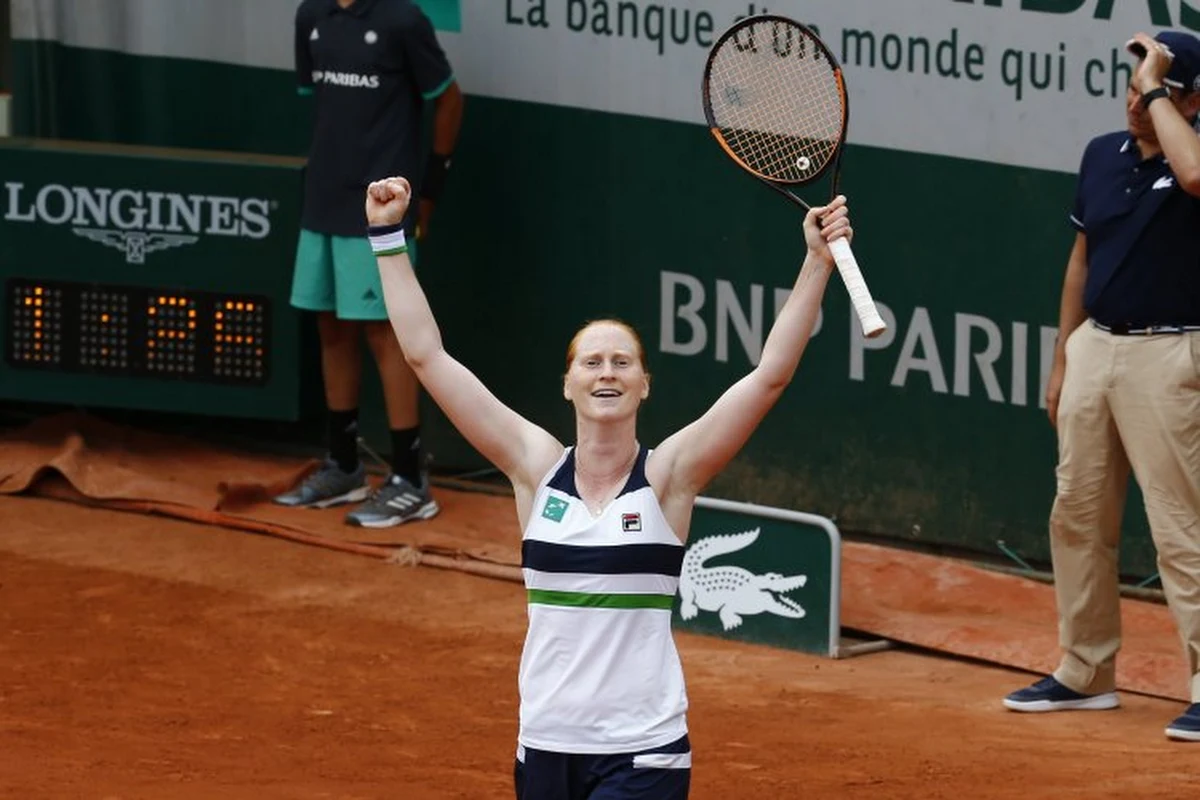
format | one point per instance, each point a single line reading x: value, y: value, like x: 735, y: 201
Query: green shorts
x: 339, y: 274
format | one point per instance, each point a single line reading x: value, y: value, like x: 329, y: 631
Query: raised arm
x: 686, y: 461
x: 520, y: 449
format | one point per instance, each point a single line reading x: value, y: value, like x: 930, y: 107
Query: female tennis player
x: 603, y: 705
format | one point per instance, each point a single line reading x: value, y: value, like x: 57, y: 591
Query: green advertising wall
x: 562, y: 211
x: 935, y: 460
x: 87, y: 94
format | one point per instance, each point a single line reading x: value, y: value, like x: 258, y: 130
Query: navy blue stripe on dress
x: 621, y: 559
x: 637, y: 475
x: 564, y: 478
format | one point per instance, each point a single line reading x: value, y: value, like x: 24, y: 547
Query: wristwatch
x: 1152, y: 95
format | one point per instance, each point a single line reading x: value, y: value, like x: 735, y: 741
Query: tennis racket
x: 775, y: 100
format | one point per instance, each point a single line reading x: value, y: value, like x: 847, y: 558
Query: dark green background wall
x: 557, y: 215
x: 100, y: 95
x: 5, y: 46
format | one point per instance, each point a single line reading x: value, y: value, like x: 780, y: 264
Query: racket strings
x: 779, y: 109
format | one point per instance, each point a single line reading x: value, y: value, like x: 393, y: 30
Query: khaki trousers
x: 1127, y: 401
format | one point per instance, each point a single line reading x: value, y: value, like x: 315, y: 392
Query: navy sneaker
x: 1186, y: 728
x: 1050, y: 695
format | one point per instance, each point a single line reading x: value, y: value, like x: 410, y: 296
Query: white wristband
x: 387, y: 240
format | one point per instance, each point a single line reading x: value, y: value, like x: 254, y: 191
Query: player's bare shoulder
x: 542, y: 452
x: 660, y: 468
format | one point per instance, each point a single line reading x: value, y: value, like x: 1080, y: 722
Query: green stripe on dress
x: 547, y: 597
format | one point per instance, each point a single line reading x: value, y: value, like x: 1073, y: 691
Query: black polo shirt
x: 1143, y: 237
x: 371, y: 66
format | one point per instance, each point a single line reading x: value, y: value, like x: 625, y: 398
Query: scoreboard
x: 127, y: 330
x: 149, y: 279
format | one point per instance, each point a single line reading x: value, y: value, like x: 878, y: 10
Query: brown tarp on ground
x: 147, y: 471
x: 937, y: 603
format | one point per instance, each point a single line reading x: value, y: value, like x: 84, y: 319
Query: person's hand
x: 824, y: 224
x: 1152, y: 67
x: 387, y: 200
x: 1054, y: 386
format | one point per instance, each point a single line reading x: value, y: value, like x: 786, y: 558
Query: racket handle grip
x: 856, y: 285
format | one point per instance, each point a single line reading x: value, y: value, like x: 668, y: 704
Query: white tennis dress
x: 600, y: 672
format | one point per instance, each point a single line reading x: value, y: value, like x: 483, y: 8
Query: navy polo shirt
x: 370, y: 66
x: 1143, y: 237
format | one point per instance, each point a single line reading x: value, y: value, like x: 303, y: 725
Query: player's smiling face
x: 605, y: 378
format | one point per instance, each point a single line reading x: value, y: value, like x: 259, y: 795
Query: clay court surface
x: 143, y: 657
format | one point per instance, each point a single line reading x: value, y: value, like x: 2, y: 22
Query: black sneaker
x: 1186, y: 728
x: 1050, y: 695
x: 395, y: 502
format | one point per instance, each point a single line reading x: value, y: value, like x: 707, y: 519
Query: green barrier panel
x: 932, y: 434
x: 762, y: 574
x: 148, y: 279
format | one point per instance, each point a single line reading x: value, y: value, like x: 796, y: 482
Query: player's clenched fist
x: 387, y: 200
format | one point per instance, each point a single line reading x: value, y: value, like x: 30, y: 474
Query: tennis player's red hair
x: 573, y: 347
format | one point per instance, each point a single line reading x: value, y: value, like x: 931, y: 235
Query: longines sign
x: 135, y: 221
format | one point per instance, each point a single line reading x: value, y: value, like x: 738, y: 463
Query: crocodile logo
x: 733, y: 592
